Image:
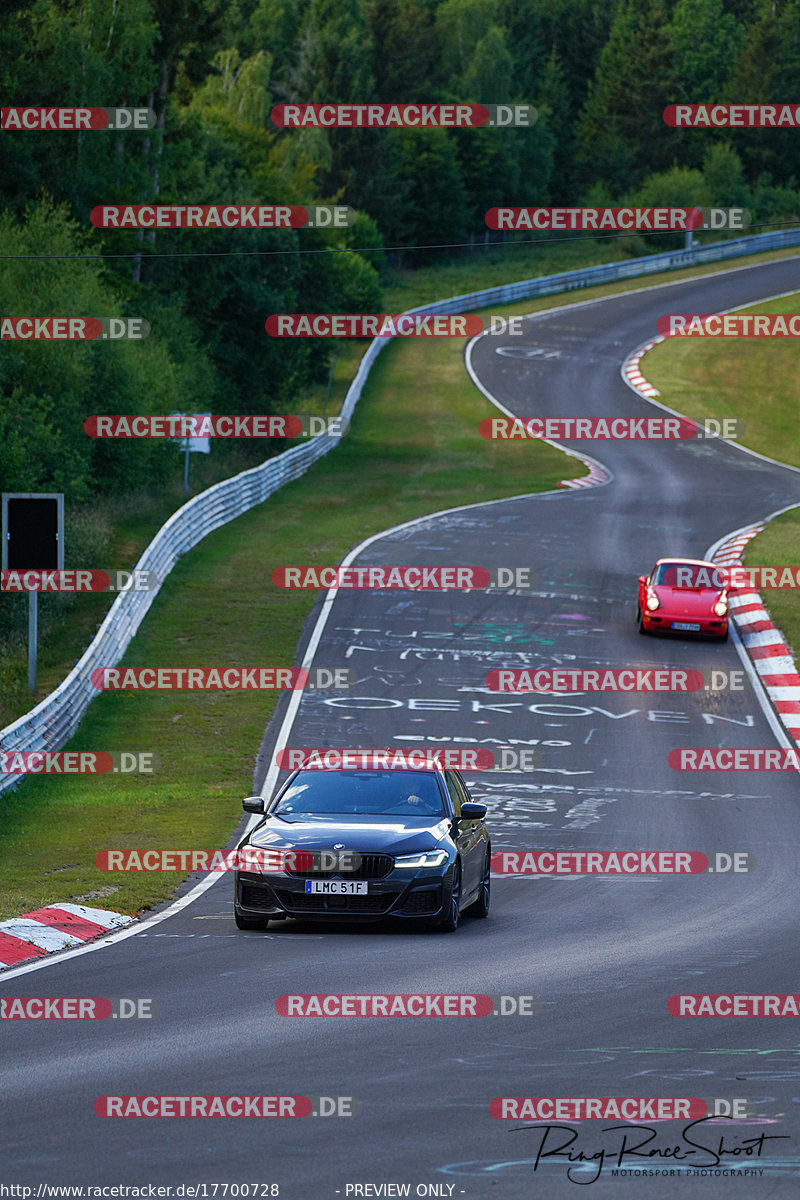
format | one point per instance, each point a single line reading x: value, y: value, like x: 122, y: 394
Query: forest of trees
x: 600, y: 73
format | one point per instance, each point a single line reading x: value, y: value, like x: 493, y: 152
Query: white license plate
x: 685, y: 625
x: 337, y: 887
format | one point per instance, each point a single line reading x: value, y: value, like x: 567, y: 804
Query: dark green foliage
x: 599, y: 71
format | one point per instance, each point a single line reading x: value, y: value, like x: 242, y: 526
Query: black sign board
x: 33, y: 531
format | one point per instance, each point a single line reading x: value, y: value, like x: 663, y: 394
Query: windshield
x: 686, y: 575
x: 363, y: 793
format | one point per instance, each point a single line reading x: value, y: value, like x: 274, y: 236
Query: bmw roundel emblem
x: 338, y: 845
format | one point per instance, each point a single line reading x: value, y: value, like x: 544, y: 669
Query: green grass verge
x: 752, y: 379
x: 412, y: 447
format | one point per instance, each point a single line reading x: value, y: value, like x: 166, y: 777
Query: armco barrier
x: 54, y: 720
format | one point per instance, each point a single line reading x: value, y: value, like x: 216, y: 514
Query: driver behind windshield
x: 367, y: 793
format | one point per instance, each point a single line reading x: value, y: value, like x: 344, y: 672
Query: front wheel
x: 640, y: 623
x: 480, y: 907
x: 450, y: 922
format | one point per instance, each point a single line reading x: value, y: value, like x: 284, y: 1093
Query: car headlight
x: 721, y: 608
x: 428, y: 858
x: 652, y: 601
x: 266, y: 860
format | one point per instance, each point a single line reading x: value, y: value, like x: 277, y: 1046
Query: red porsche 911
x: 683, y: 595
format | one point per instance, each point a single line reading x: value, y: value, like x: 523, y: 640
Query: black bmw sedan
x: 365, y: 845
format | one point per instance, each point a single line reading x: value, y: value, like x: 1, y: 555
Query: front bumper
x: 425, y: 894
x: 661, y: 621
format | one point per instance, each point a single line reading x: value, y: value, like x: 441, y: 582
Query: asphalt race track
x: 601, y: 955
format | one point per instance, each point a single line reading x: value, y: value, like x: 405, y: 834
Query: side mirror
x: 642, y: 579
x: 254, y: 804
x: 473, y: 812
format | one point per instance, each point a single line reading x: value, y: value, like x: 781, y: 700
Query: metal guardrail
x: 55, y: 719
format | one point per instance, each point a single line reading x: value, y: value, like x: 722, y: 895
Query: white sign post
x: 192, y: 445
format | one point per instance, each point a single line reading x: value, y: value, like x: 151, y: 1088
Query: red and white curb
x: 630, y: 369
x: 765, y: 646
x: 56, y: 927
x: 597, y: 473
